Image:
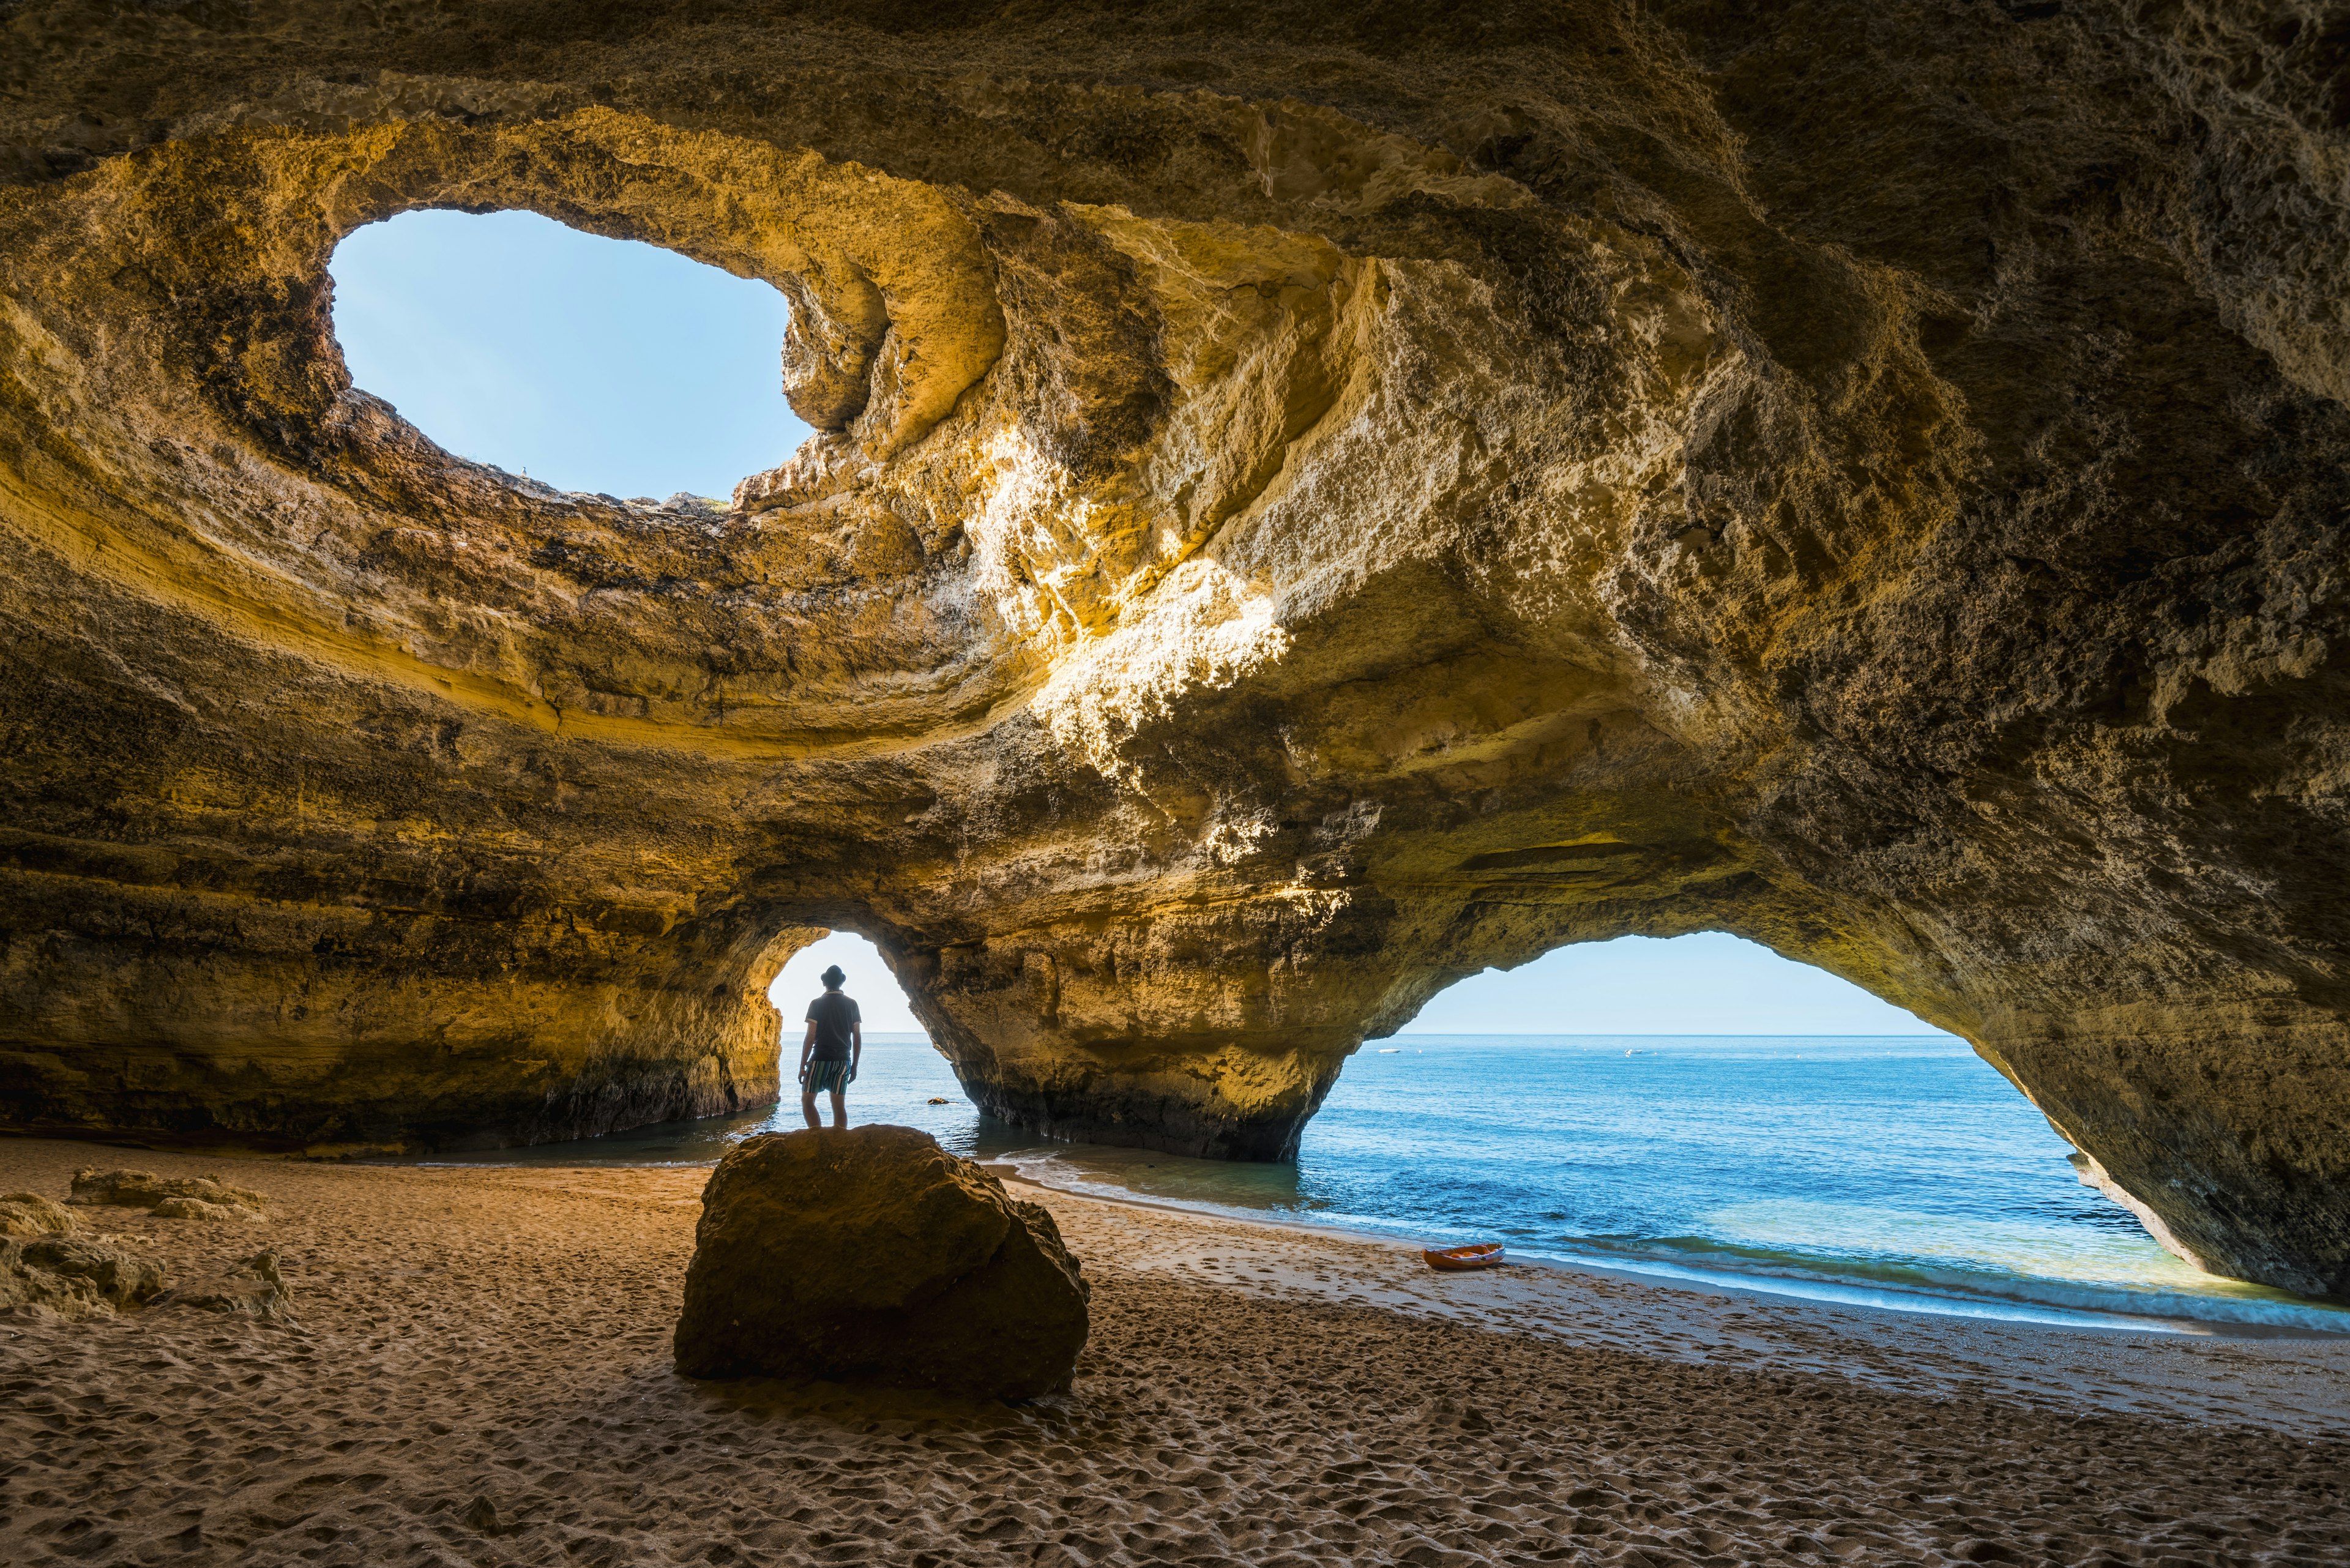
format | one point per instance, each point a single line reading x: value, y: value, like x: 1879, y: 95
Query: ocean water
x: 1899, y: 1171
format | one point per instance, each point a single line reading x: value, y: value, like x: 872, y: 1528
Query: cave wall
x: 1306, y: 505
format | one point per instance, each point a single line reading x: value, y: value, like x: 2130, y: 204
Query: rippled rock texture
x: 1308, y: 503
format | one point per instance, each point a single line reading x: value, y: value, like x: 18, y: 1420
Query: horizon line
x: 1612, y: 1034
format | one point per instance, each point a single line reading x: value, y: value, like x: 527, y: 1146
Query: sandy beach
x: 480, y: 1373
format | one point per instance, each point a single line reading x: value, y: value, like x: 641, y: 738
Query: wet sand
x: 479, y: 1375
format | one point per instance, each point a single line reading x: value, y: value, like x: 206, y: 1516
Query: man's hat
x: 833, y: 977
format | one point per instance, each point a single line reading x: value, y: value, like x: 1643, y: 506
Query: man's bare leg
x: 807, y: 1107
x: 839, y: 1109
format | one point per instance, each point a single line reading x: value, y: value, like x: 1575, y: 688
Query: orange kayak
x: 1483, y: 1255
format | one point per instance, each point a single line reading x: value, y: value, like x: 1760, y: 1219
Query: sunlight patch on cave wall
x: 592, y: 364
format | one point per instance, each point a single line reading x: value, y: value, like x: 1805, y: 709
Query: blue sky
x: 595, y: 364
x: 598, y: 364
x: 1704, y: 984
x: 1711, y: 983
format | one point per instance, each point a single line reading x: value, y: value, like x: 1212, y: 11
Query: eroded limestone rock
x: 252, y: 1287
x: 872, y: 1254
x: 62, y: 1276
x: 168, y: 1197
x: 1307, y: 505
x: 29, y: 1214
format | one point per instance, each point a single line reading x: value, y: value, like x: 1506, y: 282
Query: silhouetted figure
x: 835, y: 1045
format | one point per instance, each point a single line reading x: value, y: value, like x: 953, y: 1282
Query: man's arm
x: 807, y: 1045
x: 855, y: 1047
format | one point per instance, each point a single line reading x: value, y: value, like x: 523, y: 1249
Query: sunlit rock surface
x: 1307, y: 504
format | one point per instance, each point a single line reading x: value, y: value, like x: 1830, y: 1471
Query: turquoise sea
x: 1893, y: 1171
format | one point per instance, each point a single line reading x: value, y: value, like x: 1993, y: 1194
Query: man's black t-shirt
x: 832, y: 1014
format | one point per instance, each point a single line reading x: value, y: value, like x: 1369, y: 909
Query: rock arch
x: 1296, y: 519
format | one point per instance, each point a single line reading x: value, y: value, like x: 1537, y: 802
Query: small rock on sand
x: 168, y: 1197
x: 254, y: 1288
x: 872, y: 1254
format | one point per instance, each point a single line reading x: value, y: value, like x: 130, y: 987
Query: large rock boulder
x: 872, y: 1254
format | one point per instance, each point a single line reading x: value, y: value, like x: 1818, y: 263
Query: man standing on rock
x: 835, y: 1045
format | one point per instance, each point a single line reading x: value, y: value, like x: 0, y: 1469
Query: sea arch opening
x: 1833, y: 1146
x: 1703, y: 983
x: 878, y: 994
x: 903, y: 1076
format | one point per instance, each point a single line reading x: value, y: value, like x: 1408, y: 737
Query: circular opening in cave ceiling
x: 594, y: 365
